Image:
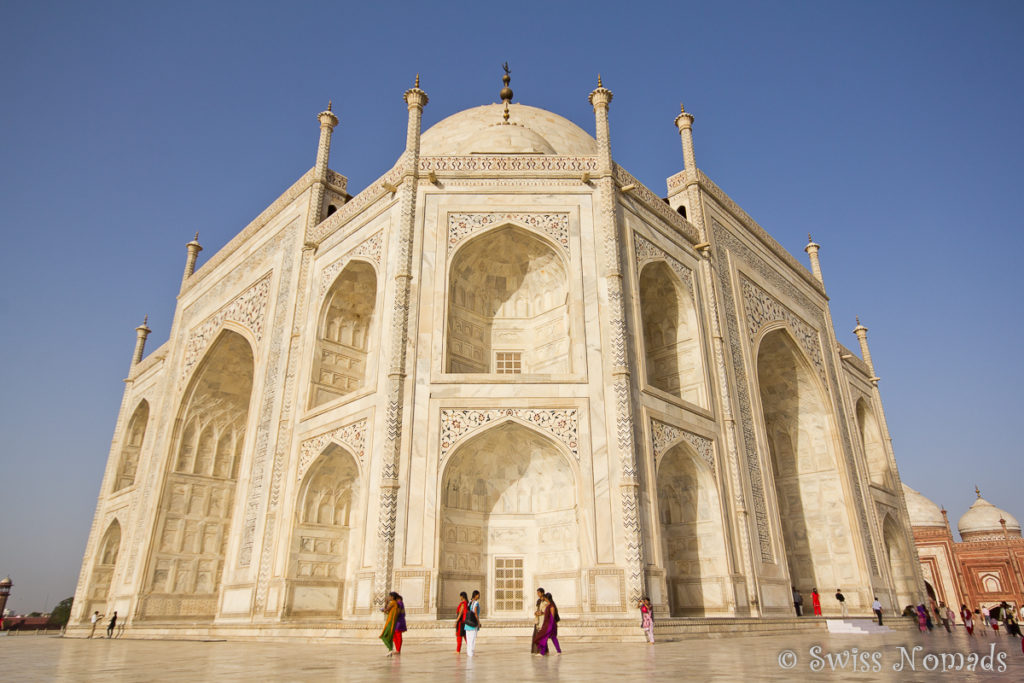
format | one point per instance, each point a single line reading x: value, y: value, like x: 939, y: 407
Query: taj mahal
x: 505, y: 363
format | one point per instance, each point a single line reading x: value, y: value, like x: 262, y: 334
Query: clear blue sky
x: 891, y: 131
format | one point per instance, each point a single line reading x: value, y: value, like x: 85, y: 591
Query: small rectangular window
x: 508, y: 584
x: 508, y: 362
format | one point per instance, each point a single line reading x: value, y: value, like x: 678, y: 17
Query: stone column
x: 738, y: 500
x: 141, y: 332
x: 402, y: 250
x: 621, y: 358
x: 190, y: 260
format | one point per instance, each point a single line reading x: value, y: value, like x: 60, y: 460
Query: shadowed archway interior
x: 103, y: 571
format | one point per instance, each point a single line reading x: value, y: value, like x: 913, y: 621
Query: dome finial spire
x: 977, y: 491
x: 506, y: 92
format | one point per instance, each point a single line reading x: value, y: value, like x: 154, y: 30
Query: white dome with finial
x: 982, y: 522
x: 922, y: 511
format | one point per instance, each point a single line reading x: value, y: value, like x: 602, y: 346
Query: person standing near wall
x: 95, y: 618
x: 816, y: 602
x: 876, y: 607
x: 472, y: 623
x: 842, y: 602
x: 647, y: 619
x: 798, y: 602
x: 111, y: 625
x: 460, y: 620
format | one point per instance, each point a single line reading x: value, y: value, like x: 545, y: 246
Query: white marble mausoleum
x: 506, y: 363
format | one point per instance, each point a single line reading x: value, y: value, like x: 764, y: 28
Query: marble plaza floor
x: 740, y: 658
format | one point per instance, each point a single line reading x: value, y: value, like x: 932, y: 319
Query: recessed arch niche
x: 874, y: 449
x: 508, y: 522
x: 692, y: 534
x: 195, y: 512
x: 103, y: 570
x: 508, y: 306
x: 901, y: 566
x: 670, y: 332
x: 343, y: 334
x: 325, y: 535
x: 814, y: 513
x: 128, y: 462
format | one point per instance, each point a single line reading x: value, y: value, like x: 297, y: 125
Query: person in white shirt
x: 94, y: 619
x: 876, y: 606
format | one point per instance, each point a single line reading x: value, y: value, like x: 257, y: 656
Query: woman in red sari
x: 460, y: 621
x: 968, y: 618
x: 816, y: 601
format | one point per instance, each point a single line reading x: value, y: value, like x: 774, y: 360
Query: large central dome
x: 529, y: 130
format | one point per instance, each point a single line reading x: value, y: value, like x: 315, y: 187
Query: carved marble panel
x: 645, y: 250
x: 665, y: 436
x: 370, y: 249
x: 462, y: 225
x: 351, y: 436
x: 561, y: 423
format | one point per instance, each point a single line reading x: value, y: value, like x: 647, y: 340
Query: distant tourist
x: 394, y: 624
x: 950, y: 615
x: 95, y: 618
x: 460, y: 620
x: 982, y: 619
x: 922, y: 618
x: 993, y: 619
x: 842, y: 601
x: 554, y: 624
x: 816, y: 602
x: 647, y: 619
x: 538, y: 619
x: 943, y: 613
x: 876, y: 607
x: 547, y: 625
x: 968, y: 619
x: 111, y: 625
x: 798, y: 602
x: 472, y: 622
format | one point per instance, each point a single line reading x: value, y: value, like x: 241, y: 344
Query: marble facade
x: 505, y: 363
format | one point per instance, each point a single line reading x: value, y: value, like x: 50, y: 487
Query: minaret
x: 862, y: 337
x: 684, y: 122
x: 141, y: 332
x: 401, y: 255
x: 193, y: 248
x: 315, y: 210
x: 812, y: 252
x: 600, y: 98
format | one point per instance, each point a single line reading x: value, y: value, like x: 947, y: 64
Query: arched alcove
x: 128, y: 462
x: 324, y: 535
x: 103, y: 570
x: 508, y: 310
x: 901, y: 566
x: 871, y: 437
x: 692, y: 537
x: 343, y: 334
x: 508, y: 522
x: 671, y: 339
x: 187, y: 558
x: 813, y: 510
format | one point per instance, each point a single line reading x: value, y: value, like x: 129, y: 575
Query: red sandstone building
x: 985, y: 568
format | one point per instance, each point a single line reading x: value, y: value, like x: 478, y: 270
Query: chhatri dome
x: 982, y: 522
x: 922, y: 511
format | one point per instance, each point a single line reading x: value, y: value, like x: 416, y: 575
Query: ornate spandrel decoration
x: 665, y: 436
x: 653, y: 203
x: 369, y: 248
x: 525, y: 163
x: 647, y: 251
x: 561, y: 423
x: 462, y: 225
x: 351, y: 436
x: 247, y: 309
x: 762, y: 309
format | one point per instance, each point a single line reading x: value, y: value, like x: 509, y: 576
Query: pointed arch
x: 814, y: 514
x: 508, y: 520
x: 874, y: 449
x: 342, y: 349
x: 508, y: 305
x: 671, y: 334
x: 692, y: 533
x: 103, y: 568
x: 188, y: 549
x: 901, y: 563
x: 325, y: 534
x: 131, y: 447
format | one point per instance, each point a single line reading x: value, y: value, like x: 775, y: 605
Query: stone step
x: 858, y: 626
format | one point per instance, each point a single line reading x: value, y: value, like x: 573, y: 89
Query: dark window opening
x: 681, y: 211
x: 331, y: 209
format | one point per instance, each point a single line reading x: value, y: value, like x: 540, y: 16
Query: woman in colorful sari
x: 394, y: 624
x: 922, y: 618
x: 546, y: 626
x: 554, y: 623
x: 647, y: 619
x: 538, y: 620
x: 816, y: 601
x: 968, y: 619
x: 460, y: 621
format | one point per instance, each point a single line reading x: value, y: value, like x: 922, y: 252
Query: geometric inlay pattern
x: 554, y: 225
x: 647, y: 251
x: 369, y: 248
x: 351, y: 436
x: 665, y: 436
x: 762, y: 308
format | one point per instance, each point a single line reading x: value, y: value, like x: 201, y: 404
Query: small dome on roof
x: 530, y: 130
x: 981, y: 522
x: 922, y: 511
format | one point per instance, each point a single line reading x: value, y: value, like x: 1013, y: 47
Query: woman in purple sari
x: 922, y: 618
